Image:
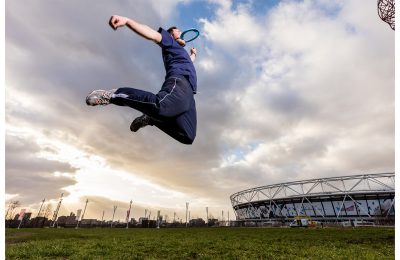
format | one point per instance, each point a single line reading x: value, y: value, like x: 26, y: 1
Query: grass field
x: 201, y: 243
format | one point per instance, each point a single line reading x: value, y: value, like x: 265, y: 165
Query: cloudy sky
x: 288, y: 90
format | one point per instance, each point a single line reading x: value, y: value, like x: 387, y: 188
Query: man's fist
x: 117, y: 21
x: 193, y: 51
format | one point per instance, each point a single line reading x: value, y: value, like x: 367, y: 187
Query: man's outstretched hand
x: 117, y: 21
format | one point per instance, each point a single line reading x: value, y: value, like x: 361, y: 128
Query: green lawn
x: 201, y: 243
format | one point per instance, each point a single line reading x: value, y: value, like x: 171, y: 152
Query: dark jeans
x: 172, y: 109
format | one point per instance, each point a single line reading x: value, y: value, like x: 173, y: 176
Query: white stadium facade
x: 366, y: 197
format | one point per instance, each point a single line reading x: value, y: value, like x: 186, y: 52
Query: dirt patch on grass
x: 17, y: 237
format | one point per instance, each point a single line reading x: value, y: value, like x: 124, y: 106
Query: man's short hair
x: 171, y: 28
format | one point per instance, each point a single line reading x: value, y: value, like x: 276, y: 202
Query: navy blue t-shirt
x: 176, y: 59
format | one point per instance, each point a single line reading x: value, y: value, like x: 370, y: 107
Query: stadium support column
x: 158, y: 219
x: 115, y: 208
x: 84, y: 210
x: 21, y: 217
x: 128, y: 214
x: 187, y: 206
x: 40, y: 209
x: 53, y: 222
x: 207, y: 214
x: 148, y: 222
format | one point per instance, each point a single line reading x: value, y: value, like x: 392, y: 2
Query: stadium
x: 366, y: 198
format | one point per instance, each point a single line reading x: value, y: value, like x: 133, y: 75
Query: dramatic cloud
x: 31, y: 177
x: 309, y: 103
x: 294, y: 90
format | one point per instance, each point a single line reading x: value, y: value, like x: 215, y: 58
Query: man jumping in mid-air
x: 172, y: 109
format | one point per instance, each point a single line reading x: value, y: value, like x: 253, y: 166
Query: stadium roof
x: 343, y: 185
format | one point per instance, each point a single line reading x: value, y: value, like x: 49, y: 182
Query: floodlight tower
x: 53, y: 221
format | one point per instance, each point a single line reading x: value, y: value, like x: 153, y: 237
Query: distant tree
x: 11, y: 207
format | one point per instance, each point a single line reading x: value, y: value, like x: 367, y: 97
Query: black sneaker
x: 140, y: 122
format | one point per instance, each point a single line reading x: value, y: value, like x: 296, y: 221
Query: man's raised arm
x: 141, y: 29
